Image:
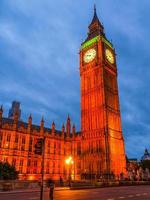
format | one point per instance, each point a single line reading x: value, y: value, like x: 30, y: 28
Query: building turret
x: 146, y: 155
x: 63, y: 130
x: 53, y: 128
x: 73, y: 130
x: 15, y: 108
x: 15, y: 118
x: 29, y: 123
x: 42, y: 125
x: 30, y: 119
x: 1, y: 115
x: 68, y: 126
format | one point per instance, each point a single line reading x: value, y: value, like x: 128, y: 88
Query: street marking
x: 110, y: 199
x: 130, y: 196
x: 144, y: 193
x: 138, y: 195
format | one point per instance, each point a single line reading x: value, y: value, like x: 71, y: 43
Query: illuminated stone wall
x: 103, y: 144
x: 17, y: 146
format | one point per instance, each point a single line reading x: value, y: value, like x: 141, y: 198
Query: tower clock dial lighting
x: 109, y: 56
x: 89, y: 55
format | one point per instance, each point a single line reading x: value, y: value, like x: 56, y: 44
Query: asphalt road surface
x: 114, y: 193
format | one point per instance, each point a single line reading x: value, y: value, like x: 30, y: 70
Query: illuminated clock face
x: 89, y: 55
x: 109, y: 56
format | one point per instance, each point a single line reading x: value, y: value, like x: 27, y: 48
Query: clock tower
x: 103, y: 152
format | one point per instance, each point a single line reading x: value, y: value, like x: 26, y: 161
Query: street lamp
x: 69, y: 161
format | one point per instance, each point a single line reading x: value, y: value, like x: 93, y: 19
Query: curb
x: 29, y: 191
x: 74, y: 188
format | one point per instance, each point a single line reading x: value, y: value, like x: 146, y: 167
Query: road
x: 113, y: 193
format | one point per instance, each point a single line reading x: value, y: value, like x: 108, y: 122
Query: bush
x: 8, y: 172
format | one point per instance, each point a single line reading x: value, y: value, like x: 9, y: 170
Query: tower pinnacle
x: 94, y: 9
x: 95, y: 27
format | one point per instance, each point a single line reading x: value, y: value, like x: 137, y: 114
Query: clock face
x: 109, y: 56
x: 89, y: 55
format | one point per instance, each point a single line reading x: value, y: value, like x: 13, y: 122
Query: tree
x: 8, y: 172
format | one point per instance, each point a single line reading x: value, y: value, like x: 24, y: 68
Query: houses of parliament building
x: 98, y: 149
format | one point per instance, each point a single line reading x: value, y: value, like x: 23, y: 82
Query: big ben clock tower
x: 103, y: 150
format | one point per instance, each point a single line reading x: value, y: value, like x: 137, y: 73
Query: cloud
x: 39, y: 65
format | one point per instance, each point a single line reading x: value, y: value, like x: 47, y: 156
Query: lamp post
x: 69, y: 161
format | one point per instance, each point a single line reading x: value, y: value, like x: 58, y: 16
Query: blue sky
x: 39, y: 62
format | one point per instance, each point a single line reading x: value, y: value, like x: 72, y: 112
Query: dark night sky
x: 39, y: 62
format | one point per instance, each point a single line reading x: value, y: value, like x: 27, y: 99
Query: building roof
x: 34, y: 127
x: 146, y: 155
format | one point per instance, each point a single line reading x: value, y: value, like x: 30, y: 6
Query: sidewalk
x: 32, y: 190
x: 80, y: 186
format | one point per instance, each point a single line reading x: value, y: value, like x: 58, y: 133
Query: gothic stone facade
x: 17, y: 146
x: 103, y: 144
x: 99, y: 149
